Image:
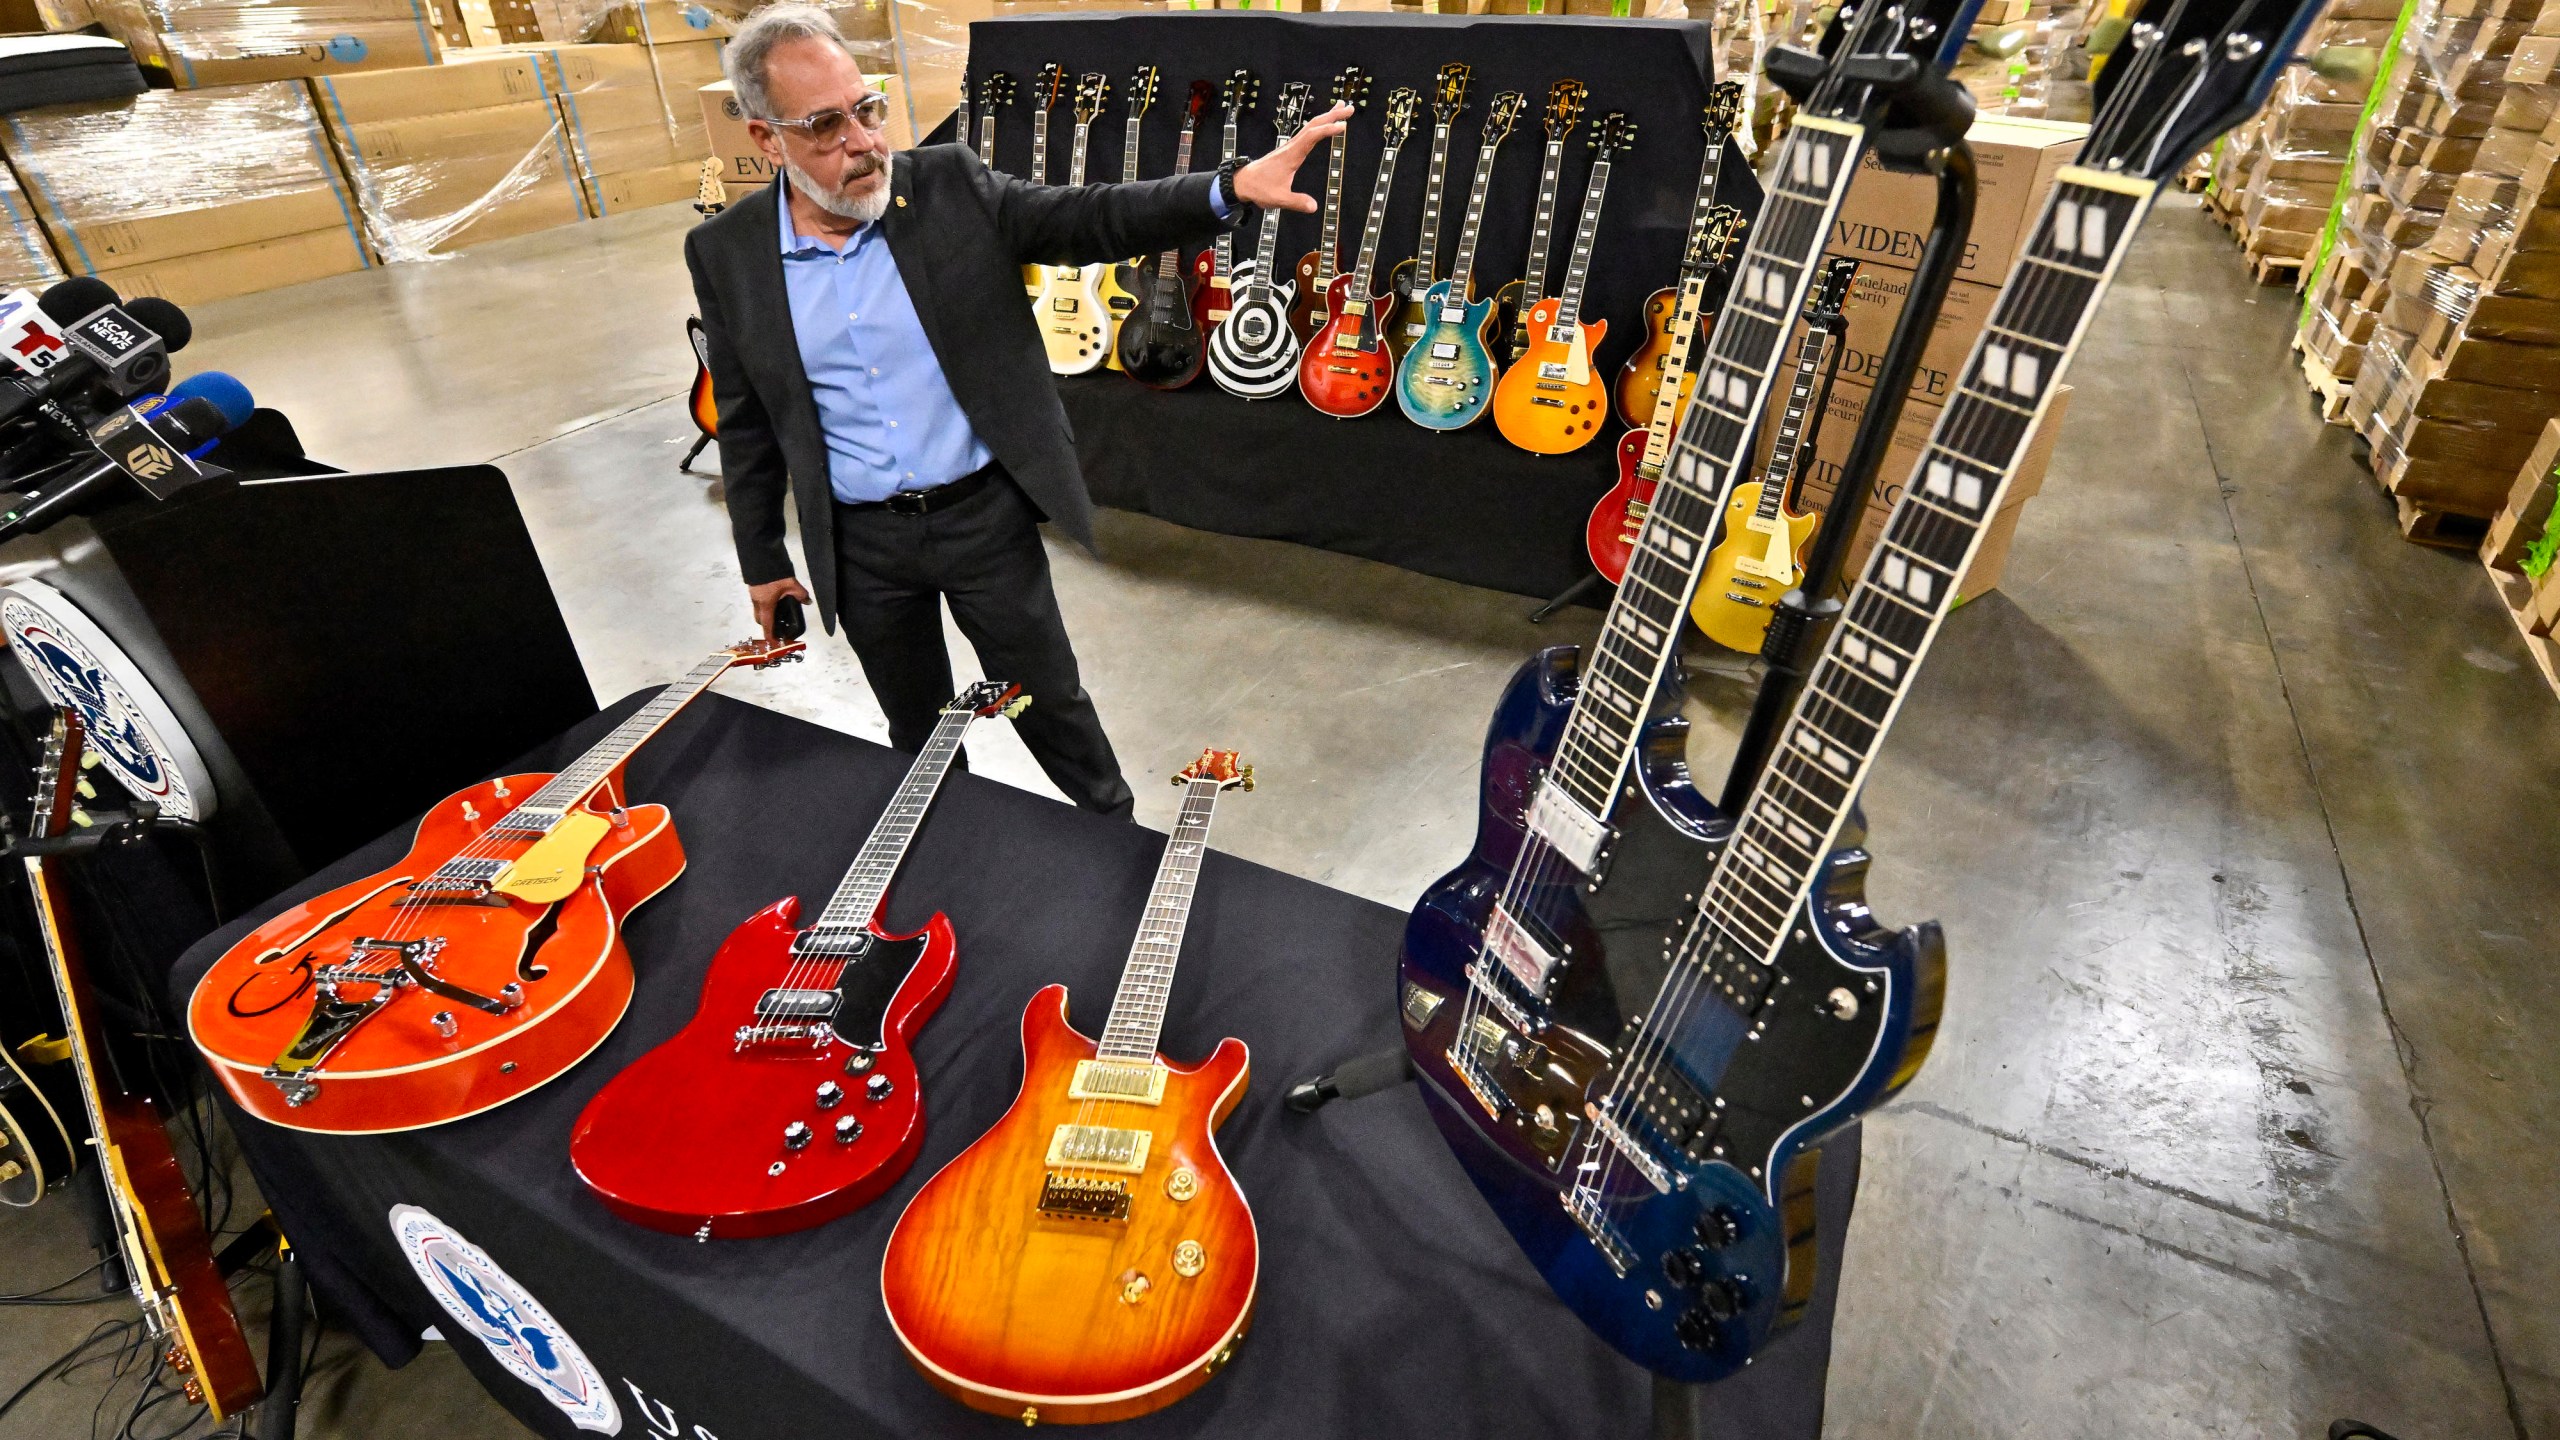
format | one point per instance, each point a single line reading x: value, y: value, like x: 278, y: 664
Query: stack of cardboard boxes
x: 190, y: 194
x: 628, y: 153
x: 682, y: 41
x: 2463, y: 355
x: 2276, y: 175
x: 445, y: 156
x: 2521, y: 549
x: 26, y: 256
x: 1883, y: 223
x: 201, y: 43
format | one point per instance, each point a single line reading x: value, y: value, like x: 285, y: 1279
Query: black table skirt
x: 1466, y: 506
x: 1392, y: 1304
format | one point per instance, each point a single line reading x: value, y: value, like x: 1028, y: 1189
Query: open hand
x: 1271, y: 182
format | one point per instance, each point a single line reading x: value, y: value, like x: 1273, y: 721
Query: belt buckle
x: 908, y: 502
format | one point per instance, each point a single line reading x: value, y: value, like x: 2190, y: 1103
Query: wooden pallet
x: 2514, y: 593
x: 2444, y: 529
x: 2276, y: 269
x: 2326, y: 388
x: 2194, y: 181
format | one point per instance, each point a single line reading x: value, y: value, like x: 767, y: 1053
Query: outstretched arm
x: 1094, y: 224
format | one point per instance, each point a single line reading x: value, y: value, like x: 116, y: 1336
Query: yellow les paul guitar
x: 1760, y: 558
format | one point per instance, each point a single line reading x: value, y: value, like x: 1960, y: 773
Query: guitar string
x: 1459, y: 287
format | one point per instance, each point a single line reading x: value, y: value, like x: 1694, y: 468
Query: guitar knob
x: 795, y: 1136
x: 848, y: 1129
x: 857, y: 1062
x: 877, y: 1088
x: 1721, y: 1299
x: 1696, y: 1329
x: 1685, y: 1267
x: 445, y: 1023
x: 830, y: 1095
x: 1719, y: 1227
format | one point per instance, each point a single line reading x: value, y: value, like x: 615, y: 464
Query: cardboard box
x: 656, y: 22
x: 2528, y: 507
x: 725, y: 126
x: 1874, y: 305
x: 733, y: 192
x: 242, y: 269
x: 2544, y: 617
x: 250, y: 42
x: 1885, y: 216
x: 364, y: 97
x: 27, y: 261
x: 640, y: 189
x: 450, y: 157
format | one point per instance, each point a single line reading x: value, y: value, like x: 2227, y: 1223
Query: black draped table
x: 1392, y: 1304
x: 1465, y: 506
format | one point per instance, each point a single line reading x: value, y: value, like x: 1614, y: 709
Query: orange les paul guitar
x: 1090, y: 1258
x: 485, y: 963
x: 1553, y: 400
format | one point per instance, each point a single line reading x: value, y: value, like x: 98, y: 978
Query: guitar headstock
x: 1711, y: 248
x: 1612, y: 136
x: 1203, y: 96
x: 1871, y: 53
x: 1449, y: 95
x: 1142, y: 89
x: 756, y: 654
x: 708, y: 196
x: 988, y: 699
x: 1048, y: 86
x: 1297, y: 98
x: 1403, y: 104
x: 1723, y: 114
x: 1242, y: 89
x: 996, y: 91
x: 58, y: 775
x: 1499, y: 121
x: 1564, y: 107
x: 1093, y: 91
x: 2187, y: 71
x: 1351, y: 87
x: 1830, y: 289
x: 1226, y: 767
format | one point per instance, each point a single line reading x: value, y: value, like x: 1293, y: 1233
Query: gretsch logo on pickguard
x: 489, y: 1305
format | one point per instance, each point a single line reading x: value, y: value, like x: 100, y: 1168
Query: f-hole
x: 534, y: 940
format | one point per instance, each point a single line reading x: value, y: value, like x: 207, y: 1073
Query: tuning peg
x: 1014, y: 710
x: 90, y: 759
x: 1248, y: 777
x: 87, y: 791
x: 81, y: 818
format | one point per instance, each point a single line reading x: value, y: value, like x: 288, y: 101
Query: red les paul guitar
x: 791, y: 1096
x: 1347, y: 369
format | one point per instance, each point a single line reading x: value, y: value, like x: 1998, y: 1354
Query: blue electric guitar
x: 1446, y: 380
x: 1658, y: 1170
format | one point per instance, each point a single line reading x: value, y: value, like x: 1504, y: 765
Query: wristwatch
x: 1227, y: 185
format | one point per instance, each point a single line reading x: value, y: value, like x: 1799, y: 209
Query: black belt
x: 925, y: 502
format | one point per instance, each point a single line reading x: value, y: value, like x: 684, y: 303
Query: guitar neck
x: 1587, y: 229
x: 1331, y: 246
x: 1462, y: 270
x: 1075, y: 161
x: 1426, y: 247
x: 1642, y: 628
x: 1782, y: 449
x: 1040, y: 149
x: 1169, y: 264
x: 1129, y: 150
x: 856, y: 902
x: 1380, y: 190
x: 1225, y: 247
x: 987, y: 139
x: 1137, y: 1011
x: 1533, y: 274
x: 564, y: 790
x: 1797, y: 810
x: 1708, y: 170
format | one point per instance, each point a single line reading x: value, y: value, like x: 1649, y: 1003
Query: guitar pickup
x: 1549, y: 402
x: 1452, y: 314
x: 1444, y: 350
x: 1575, y: 833
x: 1104, y: 1080
x: 1552, y: 369
x: 1100, y: 1147
x: 796, y: 1005
x: 1066, y: 305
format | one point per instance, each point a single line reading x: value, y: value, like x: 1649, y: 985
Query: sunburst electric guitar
x: 159, y: 1235
x: 485, y: 963
x: 1253, y: 354
x: 1090, y: 1258
x: 1665, y: 347
x: 1318, y: 267
x: 1759, y: 558
x: 1552, y: 399
x: 1445, y: 382
x: 792, y: 1094
x: 1075, y: 325
x: 1511, y: 303
x: 1347, y: 369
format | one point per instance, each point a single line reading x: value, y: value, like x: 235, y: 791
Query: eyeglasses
x: 829, y: 129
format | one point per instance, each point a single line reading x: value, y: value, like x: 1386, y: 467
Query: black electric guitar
x: 1160, y: 344
x: 1661, y: 1178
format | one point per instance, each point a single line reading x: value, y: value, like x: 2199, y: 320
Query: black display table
x: 1392, y: 1304
x: 1464, y: 506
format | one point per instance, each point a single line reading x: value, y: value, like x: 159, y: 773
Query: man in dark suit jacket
x: 873, y: 360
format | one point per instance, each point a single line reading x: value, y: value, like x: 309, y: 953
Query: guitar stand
x: 1578, y: 590
x: 700, y: 444
x: 1367, y: 1075
x: 287, y: 1324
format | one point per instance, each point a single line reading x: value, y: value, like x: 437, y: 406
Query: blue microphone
x: 218, y: 388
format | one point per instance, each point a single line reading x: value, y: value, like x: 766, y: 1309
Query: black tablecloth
x: 1465, y: 506
x: 1392, y: 1304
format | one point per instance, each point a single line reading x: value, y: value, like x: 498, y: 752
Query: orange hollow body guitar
x: 1090, y: 1258
x: 487, y: 962
x: 1553, y: 401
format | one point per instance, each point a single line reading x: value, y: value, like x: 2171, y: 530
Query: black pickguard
x: 869, y: 982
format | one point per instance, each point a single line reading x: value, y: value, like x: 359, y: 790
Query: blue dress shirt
x: 886, y: 409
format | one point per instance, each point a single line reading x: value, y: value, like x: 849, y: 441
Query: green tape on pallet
x: 2320, y: 254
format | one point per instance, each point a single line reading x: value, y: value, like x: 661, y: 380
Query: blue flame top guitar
x: 1661, y: 1178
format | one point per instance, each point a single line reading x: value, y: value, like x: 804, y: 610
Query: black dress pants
x: 983, y: 555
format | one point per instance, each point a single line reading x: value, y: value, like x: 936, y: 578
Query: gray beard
x: 861, y: 208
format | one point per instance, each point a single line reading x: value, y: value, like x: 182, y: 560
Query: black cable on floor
x: 34, y: 1297
x: 67, y: 1359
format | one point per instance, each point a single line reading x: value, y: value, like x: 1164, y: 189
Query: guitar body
x: 1445, y: 382
x: 1750, y: 569
x: 1553, y: 400
x: 1075, y: 326
x: 393, y: 1070
x: 1253, y: 354
x: 1406, y: 317
x: 699, y: 402
x: 1122, y: 288
x: 1510, y: 323
x: 1213, y: 299
x: 1610, y: 534
x: 1743, y: 1242
x: 1022, y: 1313
x: 1311, y: 304
x: 1640, y: 378
x: 690, y: 1138
x: 36, y: 1151
x: 1347, y: 369
x: 1161, y: 344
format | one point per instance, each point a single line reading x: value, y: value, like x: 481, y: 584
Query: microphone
x: 155, y: 452
x: 110, y: 347
x: 225, y: 391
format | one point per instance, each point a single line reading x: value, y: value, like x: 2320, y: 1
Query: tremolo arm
x: 335, y: 1015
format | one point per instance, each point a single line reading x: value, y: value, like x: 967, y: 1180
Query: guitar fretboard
x: 1129, y: 149
x: 1168, y: 293
x: 1690, y: 304
x: 1426, y: 249
x: 1796, y: 811
x: 1578, y: 269
x: 1137, y: 1011
x: 1075, y: 161
x: 1462, y: 270
x: 1533, y: 273
x: 1040, y: 149
x: 856, y: 901
x: 1642, y: 627
x: 1380, y: 190
x: 1225, y: 265
x: 1329, y: 250
x: 1782, y: 449
x: 1708, y: 169
x: 572, y: 785
x: 987, y: 139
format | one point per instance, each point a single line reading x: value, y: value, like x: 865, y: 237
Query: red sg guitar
x: 1610, y: 534
x: 1347, y: 369
x: 791, y: 1096
x: 487, y: 962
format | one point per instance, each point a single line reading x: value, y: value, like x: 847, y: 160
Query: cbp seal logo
x: 131, y: 728
x: 487, y: 1302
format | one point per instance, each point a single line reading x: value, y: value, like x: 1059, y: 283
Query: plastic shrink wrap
x: 200, y: 43
x: 190, y: 194
x: 26, y: 257
x: 447, y: 156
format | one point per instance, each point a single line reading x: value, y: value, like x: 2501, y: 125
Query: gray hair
x: 744, y: 58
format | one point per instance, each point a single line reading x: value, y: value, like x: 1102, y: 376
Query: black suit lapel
x: 768, y: 302
x: 912, y: 248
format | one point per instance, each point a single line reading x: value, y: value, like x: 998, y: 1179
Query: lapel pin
x: 902, y: 202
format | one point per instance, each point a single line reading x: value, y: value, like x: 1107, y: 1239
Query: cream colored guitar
x: 1075, y: 323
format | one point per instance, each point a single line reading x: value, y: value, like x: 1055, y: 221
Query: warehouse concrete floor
x: 2237, y: 810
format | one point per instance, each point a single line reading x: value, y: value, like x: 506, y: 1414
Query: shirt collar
x: 794, y: 243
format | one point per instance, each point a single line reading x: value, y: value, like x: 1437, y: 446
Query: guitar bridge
x: 1584, y: 1206
x: 1071, y: 1197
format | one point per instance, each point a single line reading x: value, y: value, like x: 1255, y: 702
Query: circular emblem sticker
x: 128, y: 724
x: 487, y: 1302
